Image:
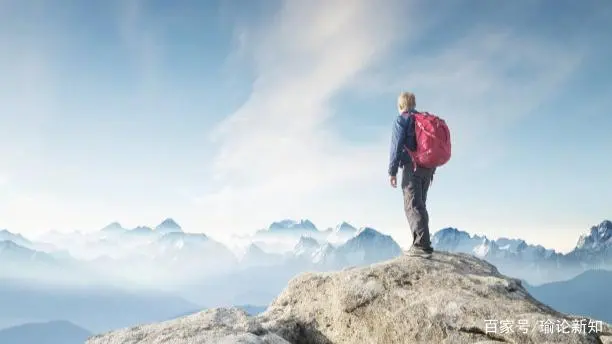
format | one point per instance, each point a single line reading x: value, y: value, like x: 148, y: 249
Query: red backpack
x: 433, y: 141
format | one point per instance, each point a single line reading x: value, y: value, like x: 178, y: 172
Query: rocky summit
x: 451, y: 298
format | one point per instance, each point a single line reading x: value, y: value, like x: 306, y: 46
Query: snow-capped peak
x: 368, y: 233
x: 454, y: 240
x: 598, y: 237
x: 345, y: 227
x: 291, y: 225
x: 369, y: 236
x: 450, y: 237
x: 113, y: 227
x: 306, y: 245
x: 307, y: 242
x: 142, y: 230
x: 323, y: 254
x: 368, y: 246
x: 485, y: 248
x: 511, y: 245
x: 168, y: 226
x: 282, y: 224
x: 341, y: 233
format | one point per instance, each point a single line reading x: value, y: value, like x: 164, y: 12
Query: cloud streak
x: 277, y: 150
x: 280, y: 152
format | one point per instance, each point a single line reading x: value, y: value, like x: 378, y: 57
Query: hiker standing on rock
x: 420, y: 143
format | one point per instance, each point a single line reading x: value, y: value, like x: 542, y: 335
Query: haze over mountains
x: 111, y: 254
x: 155, y: 273
x: 149, y: 274
x: 587, y: 293
x: 534, y: 263
x: 53, y: 332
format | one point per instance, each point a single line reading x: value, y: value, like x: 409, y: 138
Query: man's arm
x: 398, y: 137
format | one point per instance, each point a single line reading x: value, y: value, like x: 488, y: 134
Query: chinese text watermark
x: 549, y: 326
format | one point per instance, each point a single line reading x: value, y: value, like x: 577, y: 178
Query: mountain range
x: 534, y: 263
x: 118, y: 271
x: 113, y: 253
x: 128, y: 276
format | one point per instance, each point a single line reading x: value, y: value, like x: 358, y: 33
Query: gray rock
x: 215, y: 326
x: 452, y: 298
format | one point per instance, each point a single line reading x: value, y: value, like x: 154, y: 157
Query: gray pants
x: 415, y: 185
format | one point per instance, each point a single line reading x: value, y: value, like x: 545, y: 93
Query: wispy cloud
x: 276, y: 150
x: 289, y: 150
x: 278, y: 153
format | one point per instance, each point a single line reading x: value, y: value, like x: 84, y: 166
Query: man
x: 415, y: 179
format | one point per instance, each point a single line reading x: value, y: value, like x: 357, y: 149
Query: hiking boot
x: 417, y: 251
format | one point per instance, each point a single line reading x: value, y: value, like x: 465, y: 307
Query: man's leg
x: 426, y: 183
x: 415, y: 186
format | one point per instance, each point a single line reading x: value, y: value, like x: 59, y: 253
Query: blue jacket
x: 403, y: 135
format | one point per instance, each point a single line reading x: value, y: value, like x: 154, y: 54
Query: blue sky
x: 228, y: 115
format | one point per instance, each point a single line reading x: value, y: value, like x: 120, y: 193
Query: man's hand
x: 393, y: 180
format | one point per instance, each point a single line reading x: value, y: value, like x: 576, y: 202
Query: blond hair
x: 406, y: 101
